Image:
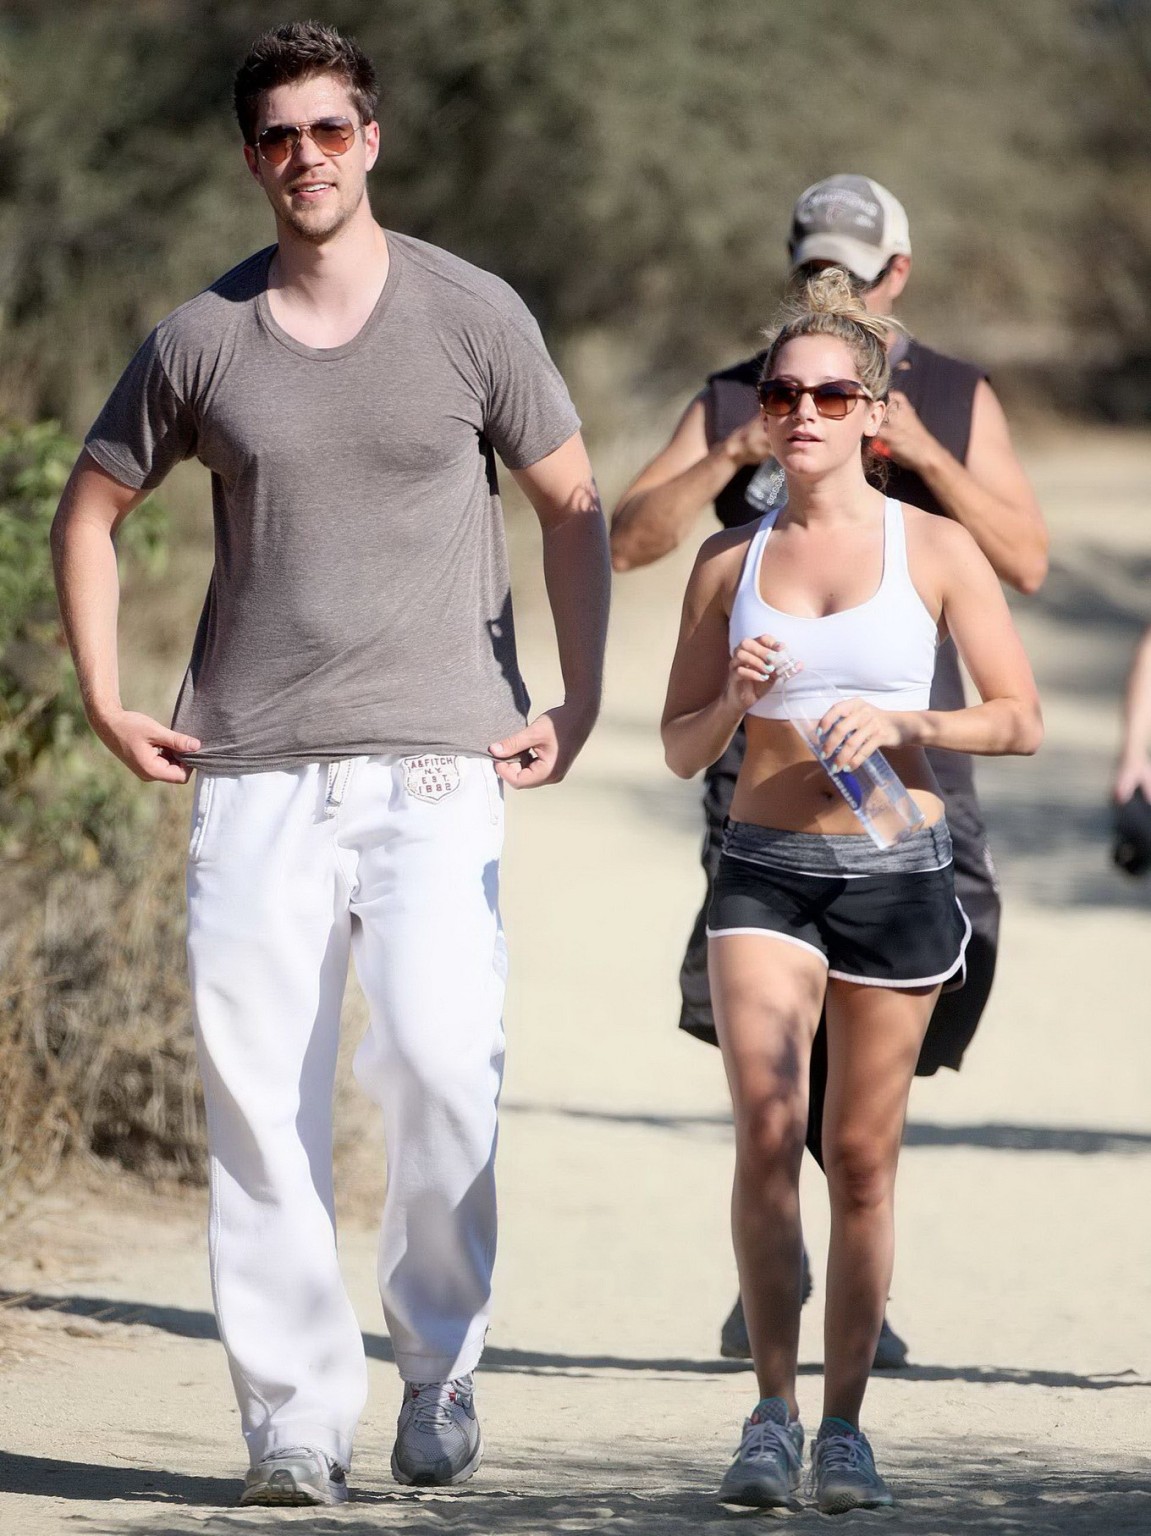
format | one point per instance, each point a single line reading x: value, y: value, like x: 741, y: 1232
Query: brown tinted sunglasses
x: 330, y: 135
x: 834, y: 399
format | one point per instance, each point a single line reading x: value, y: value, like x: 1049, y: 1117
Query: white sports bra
x: 882, y: 650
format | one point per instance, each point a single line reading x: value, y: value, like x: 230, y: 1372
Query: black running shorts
x: 879, y: 917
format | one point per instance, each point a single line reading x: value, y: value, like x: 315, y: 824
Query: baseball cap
x: 852, y: 221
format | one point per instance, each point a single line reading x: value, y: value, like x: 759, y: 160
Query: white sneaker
x: 438, y: 1438
x: 295, y: 1475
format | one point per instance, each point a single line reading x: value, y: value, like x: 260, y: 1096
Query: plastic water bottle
x: 767, y: 488
x: 874, y: 791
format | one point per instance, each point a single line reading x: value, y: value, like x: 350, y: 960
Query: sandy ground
x: 1022, y: 1279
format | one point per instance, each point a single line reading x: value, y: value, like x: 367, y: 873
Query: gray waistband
x: 813, y: 853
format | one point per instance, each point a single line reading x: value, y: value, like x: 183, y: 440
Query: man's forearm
x: 577, y: 573
x: 650, y: 524
x: 1014, y: 542
x: 88, y: 588
x: 1137, y: 705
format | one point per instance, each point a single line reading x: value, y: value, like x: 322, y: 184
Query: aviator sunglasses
x: 834, y: 399
x: 330, y: 135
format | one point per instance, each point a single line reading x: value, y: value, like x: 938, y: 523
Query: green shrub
x: 58, y: 787
x: 96, y: 1054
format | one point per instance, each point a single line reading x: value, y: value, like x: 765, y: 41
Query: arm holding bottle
x: 957, y: 581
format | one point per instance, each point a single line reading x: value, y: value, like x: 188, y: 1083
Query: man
x: 1131, y: 793
x: 353, y: 708
x: 950, y: 452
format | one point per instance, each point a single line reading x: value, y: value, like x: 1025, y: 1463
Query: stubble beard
x: 316, y: 233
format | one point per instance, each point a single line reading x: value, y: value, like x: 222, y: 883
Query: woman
x: 805, y: 906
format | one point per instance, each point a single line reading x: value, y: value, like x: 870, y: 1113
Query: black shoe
x: 890, y: 1351
x: 734, y: 1343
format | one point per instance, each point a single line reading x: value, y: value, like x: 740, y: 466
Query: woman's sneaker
x: 843, y: 1474
x: 766, y: 1470
x: 295, y: 1475
x: 438, y: 1438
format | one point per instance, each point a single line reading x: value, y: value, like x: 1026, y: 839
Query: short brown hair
x: 297, y: 51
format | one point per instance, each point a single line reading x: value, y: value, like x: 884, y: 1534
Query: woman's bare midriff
x: 781, y: 785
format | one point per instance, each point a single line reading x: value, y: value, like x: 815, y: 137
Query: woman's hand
x: 752, y: 671
x: 852, y: 730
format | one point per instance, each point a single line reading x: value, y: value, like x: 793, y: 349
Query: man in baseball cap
x: 1131, y: 849
x: 849, y: 221
x: 949, y: 451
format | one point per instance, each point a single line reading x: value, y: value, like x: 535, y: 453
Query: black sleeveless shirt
x: 942, y: 390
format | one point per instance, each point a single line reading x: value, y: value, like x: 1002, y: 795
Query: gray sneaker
x: 438, y: 1438
x: 843, y: 1474
x: 766, y: 1470
x: 296, y: 1475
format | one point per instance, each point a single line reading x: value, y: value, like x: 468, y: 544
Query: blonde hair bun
x: 832, y: 292
x: 829, y: 304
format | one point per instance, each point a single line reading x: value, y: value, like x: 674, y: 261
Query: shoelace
x: 839, y: 1453
x: 765, y: 1437
x: 433, y: 1400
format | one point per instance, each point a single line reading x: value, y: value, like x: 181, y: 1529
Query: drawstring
x: 339, y: 773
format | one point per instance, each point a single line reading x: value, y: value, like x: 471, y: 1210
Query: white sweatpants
x: 396, y: 860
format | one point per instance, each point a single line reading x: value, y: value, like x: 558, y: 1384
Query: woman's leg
x: 873, y: 1037
x: 767, y: 995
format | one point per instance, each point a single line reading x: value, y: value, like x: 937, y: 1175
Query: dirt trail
x: 1025, y: 1246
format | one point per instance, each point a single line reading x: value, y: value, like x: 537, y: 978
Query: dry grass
x: 97, y: 1056
x: 96, y: 1053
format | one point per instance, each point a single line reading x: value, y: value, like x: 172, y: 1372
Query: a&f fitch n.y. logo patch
x: 431, y: 777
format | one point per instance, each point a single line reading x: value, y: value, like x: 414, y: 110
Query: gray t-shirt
x: 360, y: 600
